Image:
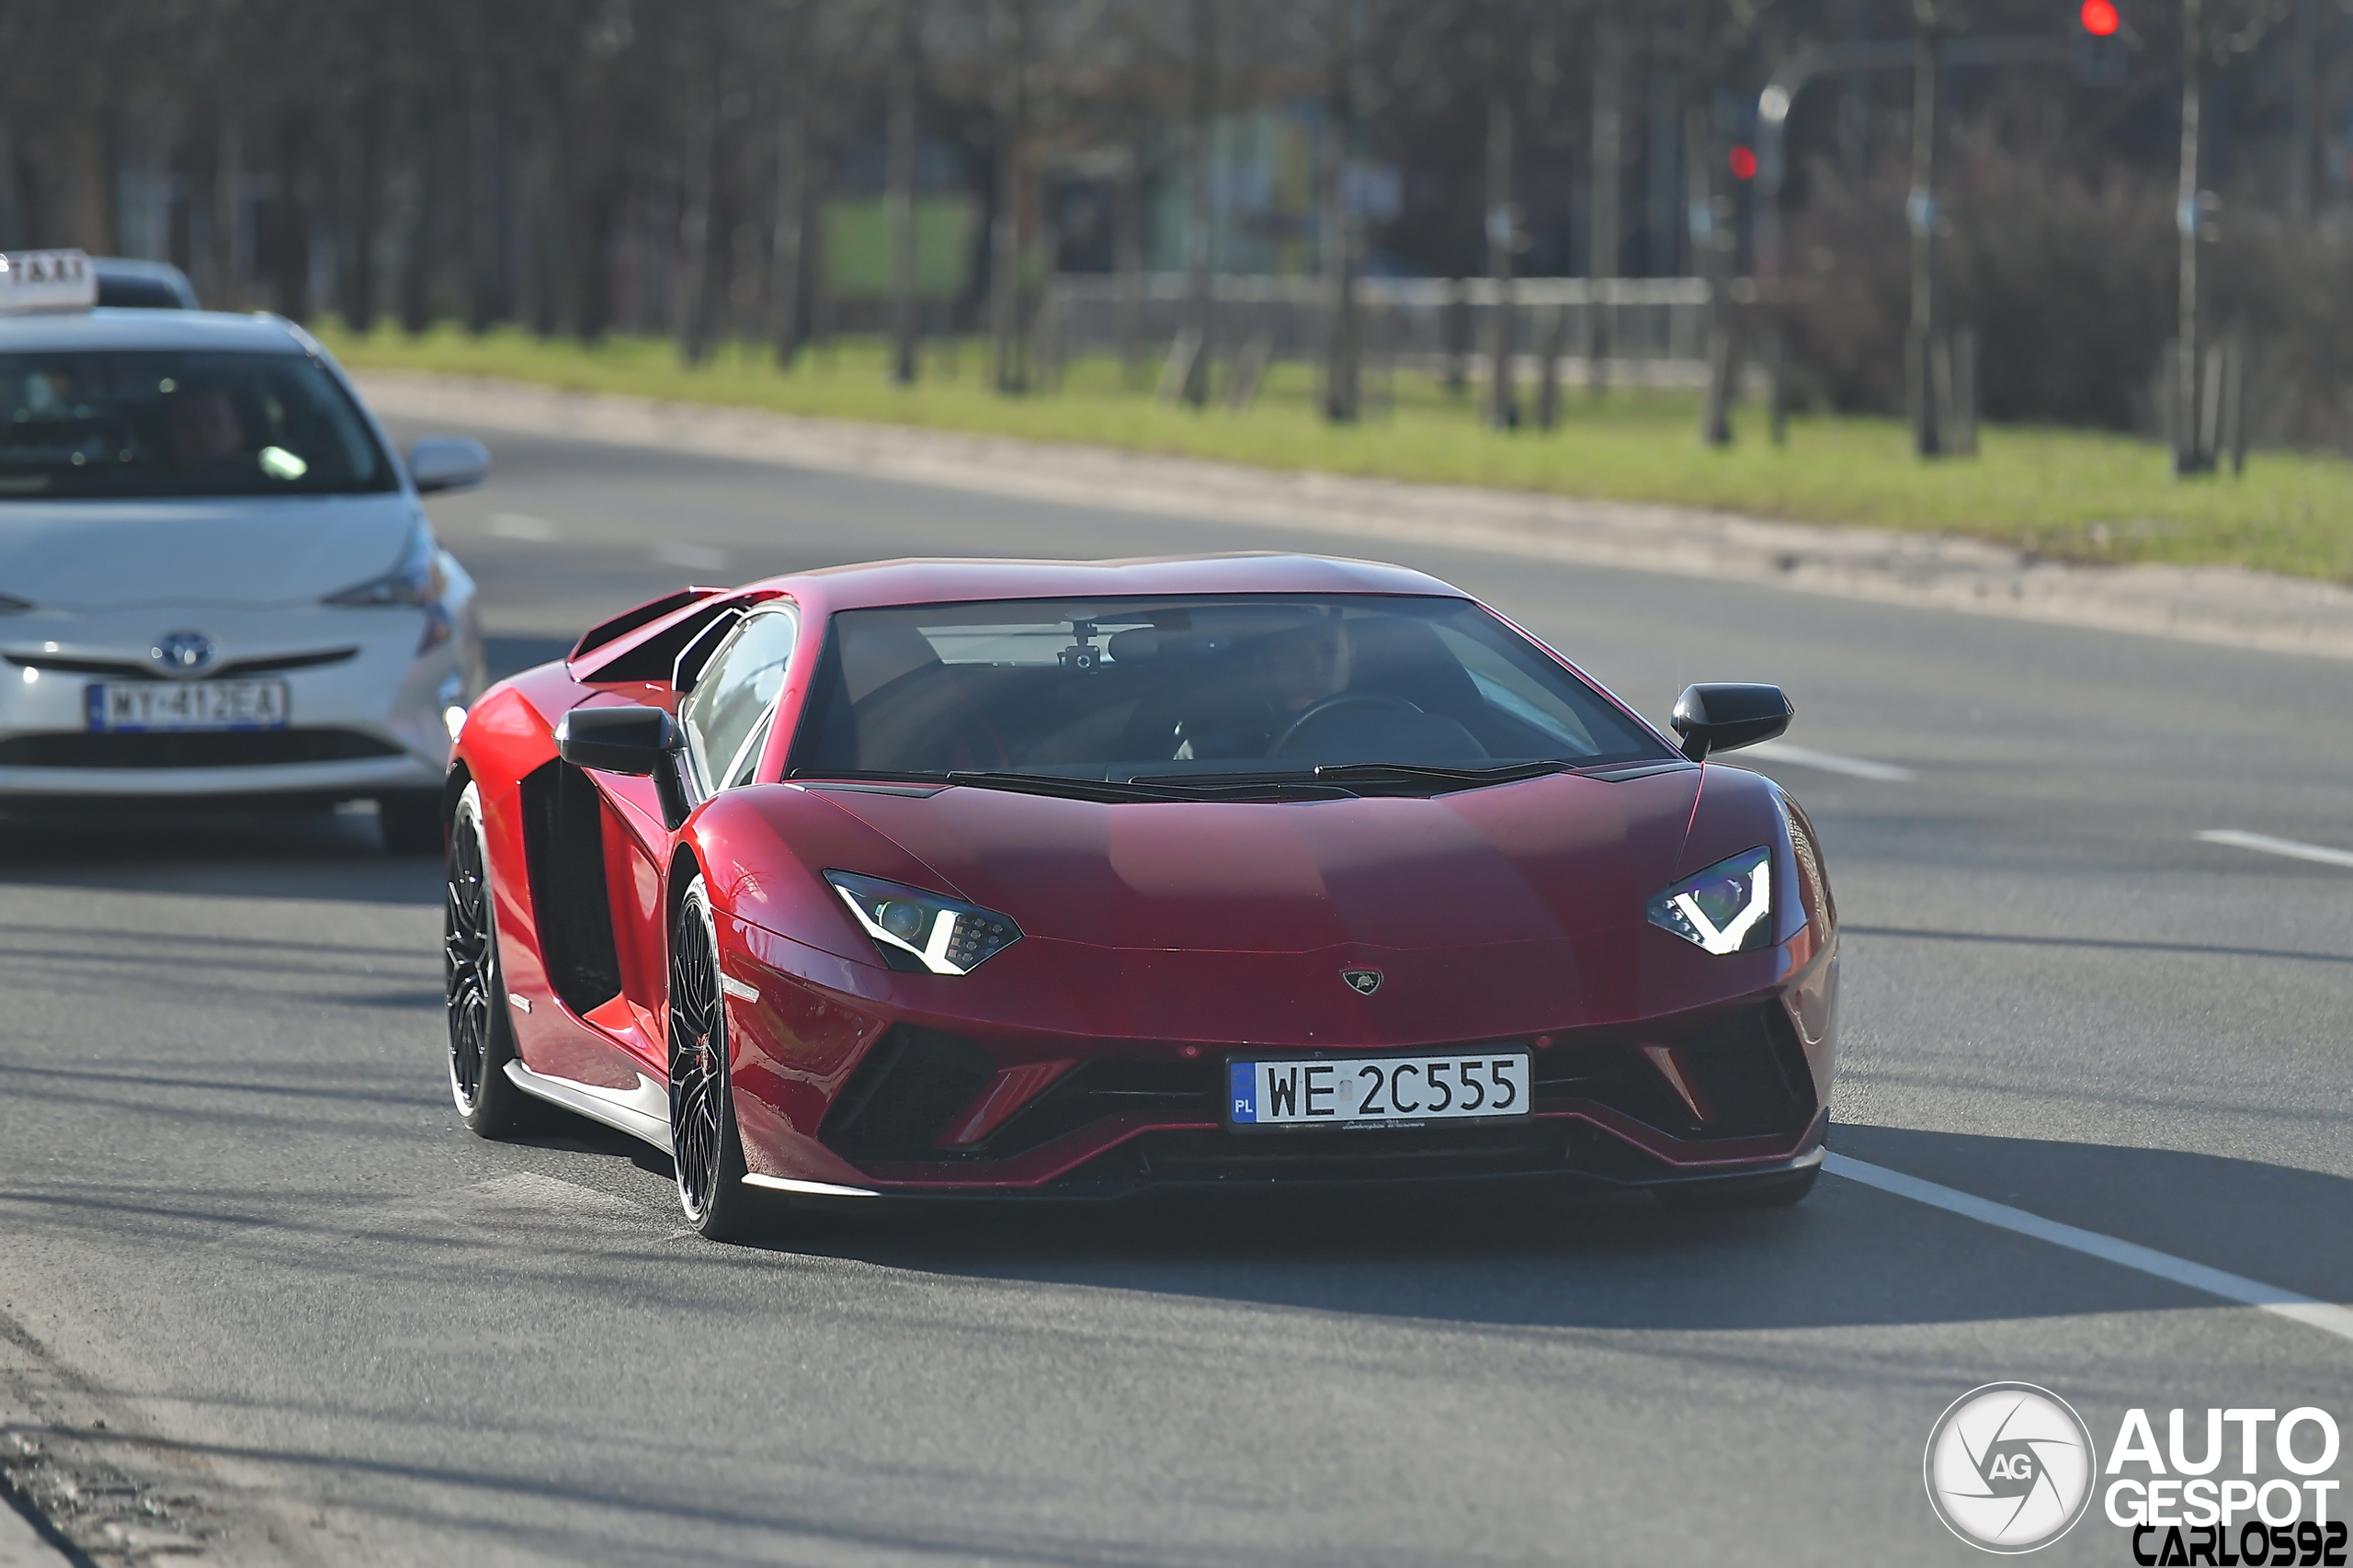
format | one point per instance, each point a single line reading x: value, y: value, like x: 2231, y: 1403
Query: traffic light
x: 1743, y: 162
x: 2100, y: 42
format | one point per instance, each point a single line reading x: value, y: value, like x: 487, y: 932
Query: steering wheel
x: 1342, y: 703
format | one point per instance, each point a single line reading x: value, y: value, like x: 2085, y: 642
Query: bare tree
x: 900, y: 198
x: 796, y: 37
x: 1011, y: 30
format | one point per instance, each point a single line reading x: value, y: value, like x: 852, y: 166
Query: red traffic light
x: 1743, y: 164
x: 2099, y: 17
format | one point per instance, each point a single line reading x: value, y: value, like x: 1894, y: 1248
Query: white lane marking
x: 1828, y: 762
x: 693, y: 557
x: 2263, y: 843
x: 2326, y: 1316
x: 516, y: 524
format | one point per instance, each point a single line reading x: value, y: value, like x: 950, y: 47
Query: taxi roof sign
x: 47, y: 280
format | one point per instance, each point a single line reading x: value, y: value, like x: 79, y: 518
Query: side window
x: 725, y: 714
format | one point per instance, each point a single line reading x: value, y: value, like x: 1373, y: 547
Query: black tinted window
x: 130, y: 292
x: 142, y: 423
x: 1154, y: 687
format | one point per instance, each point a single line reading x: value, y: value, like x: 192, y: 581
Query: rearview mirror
x: 448, y: 463
x: 1721, y: 717
x: 642, y: 742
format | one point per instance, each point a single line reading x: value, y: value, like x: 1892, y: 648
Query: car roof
x: 951, y: 581
x: 150, y: 329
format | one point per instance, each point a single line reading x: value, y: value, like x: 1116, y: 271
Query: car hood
x: 1495, y: 914
x: 1508, y: 864
x: 229, y: 551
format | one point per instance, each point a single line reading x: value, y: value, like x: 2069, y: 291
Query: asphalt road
x: 242, y: 1227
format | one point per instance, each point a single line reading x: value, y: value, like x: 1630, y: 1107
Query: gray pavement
x: 321, y: 1322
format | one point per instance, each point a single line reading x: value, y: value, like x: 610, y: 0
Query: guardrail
x: 1639, y: 331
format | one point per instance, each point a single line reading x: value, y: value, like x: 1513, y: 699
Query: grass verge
x: 2071, y: 495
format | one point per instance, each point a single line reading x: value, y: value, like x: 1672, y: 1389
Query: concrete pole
x: 1921, y: 208
x: 1009, y: 30
x: 1503, y: 227
x: 1602, y: 259
x: 1342, y: 380
x: 1202, y: 307
x: 2190, y: 453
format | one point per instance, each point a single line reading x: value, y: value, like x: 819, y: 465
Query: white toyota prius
x: 216, y: 579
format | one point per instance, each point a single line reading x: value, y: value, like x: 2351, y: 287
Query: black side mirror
x: 640, y: 741
x: 448, y: 463
x: 1721, y: 717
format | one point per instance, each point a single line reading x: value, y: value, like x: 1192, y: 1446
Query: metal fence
x: 1644, y: 331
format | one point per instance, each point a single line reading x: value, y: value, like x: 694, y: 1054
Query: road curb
x: 2206, y: 604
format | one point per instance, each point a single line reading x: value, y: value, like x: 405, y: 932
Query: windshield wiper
x: 1374, y: 772
x: 1220, y: 787
x: 1072, y: 789
x: 1353, y: 777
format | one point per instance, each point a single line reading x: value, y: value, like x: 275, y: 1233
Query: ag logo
x: 1363, y: 981
x: 2009, y: 1466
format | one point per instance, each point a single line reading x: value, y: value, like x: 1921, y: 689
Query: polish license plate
x: 1374, y: 1091
x: 187, y: 704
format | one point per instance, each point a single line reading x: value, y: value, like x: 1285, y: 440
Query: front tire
x: 481, y: 1031
x: 705, y: 1147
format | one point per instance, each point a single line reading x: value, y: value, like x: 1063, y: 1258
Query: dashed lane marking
x: 1829, y: 762
x: 2264, y: 844
x: 694, y: 557
x: 2326, y: 1316
x: 516, y: 524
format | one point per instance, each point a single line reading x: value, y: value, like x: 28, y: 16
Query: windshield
x: 1173, y: 688
x: 148, y: 423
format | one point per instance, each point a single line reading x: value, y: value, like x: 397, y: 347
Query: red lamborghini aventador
x: 956, y: 879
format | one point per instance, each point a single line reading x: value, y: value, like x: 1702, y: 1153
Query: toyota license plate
x: 187, y: 704
x: 1374, y: 1091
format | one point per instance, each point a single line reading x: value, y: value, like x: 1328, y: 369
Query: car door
x: 724, y: 716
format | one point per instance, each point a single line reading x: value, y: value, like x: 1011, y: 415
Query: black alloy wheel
x: 482, y: 1031
x: 704, y: 1144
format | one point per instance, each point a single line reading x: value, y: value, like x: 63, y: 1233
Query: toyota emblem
x: 182, y: 652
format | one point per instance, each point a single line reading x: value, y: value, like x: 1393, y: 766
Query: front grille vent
x: 1749, y: 1073
x: 898, y: 1101
x: 196, y: 748
x: 133, y: 669
x: 1163, y: 1091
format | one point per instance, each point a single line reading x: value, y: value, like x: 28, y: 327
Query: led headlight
x: 418, y: 581
x: 411, y: 581
x: 1728, y: 908
x: 922, y: 931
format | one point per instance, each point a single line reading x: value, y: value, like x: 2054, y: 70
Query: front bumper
x: 1728, y: 1089
x: 366, y: 715
x: 1557, y: 1150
